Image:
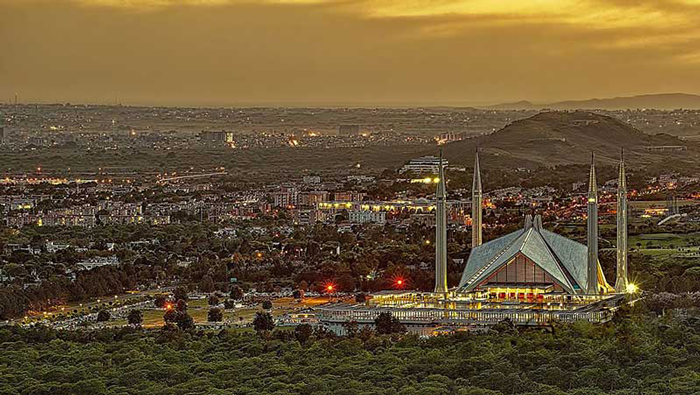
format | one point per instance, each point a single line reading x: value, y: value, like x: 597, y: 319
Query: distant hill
x: 553, y: 138
x: 664, y: 101
x: 518, y: 105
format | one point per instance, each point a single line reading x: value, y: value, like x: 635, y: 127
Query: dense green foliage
x: 628, y: 357
x: 135, y: 317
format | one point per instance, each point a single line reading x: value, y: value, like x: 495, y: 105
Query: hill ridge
x: 567, y: 137
x: 660, y: 101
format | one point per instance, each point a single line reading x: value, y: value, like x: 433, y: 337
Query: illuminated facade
x: 424, y: 165
x: 526, y: 264
x: 531, y: 277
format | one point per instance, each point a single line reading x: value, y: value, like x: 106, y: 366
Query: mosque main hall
x: 532, y: 277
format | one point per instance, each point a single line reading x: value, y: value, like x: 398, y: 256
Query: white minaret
x: 476, y: 204
x: 440, y: 234
x: 622, y: 280
x: 592, y: 235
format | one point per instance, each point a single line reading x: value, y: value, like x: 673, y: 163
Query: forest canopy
x: 630, y: 356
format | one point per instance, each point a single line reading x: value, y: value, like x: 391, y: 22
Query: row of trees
x: 637, y: 355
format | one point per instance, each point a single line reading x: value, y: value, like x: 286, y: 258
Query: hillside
x: 552, y: 138
x: 665, y: 101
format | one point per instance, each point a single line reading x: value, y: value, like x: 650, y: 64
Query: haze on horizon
x: 345, y: 52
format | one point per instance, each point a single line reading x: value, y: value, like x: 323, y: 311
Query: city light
x: 632, y: 288
x: 330, y: 287
x: 426, y: 180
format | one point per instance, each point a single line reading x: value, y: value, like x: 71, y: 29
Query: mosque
x: 533, y: 276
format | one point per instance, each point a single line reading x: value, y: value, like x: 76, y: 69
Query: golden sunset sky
x: 345, y: 52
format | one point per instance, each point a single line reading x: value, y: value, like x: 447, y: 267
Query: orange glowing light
x: 329, y: 288
x: 399, y: 282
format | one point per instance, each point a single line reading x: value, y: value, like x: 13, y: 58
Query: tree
x: 103, y: 316
x: 387, y: 324
x: 346, y: 283
x: 170, y: 316
x: 505, y: 326
x: 298, y: 294
x: 360, y: 298
x: 215, y: 315
x: 213, y: 300
x: 180, y: 293
x: 207, y: 284
x: 303, y: 332
x: 263, y: 322
x: 366, y: 333
x: 267, y: 305
x: 135, y: 317
x: 352, y: 328
x: 181, y: 305
x: 184, y: 321
x: 659, y: 303
x: 237, y: 293
x: 160, y: 301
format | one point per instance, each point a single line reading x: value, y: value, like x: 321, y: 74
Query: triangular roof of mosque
x: 563, y: 259
x: 486, y: 254
x: 572, y: 254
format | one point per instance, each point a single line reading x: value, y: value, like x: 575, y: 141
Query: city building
x: 424, y: 165
x: 312, y: 198
x: 367, y: 217
x: 306, y: 217
x: 312, y: 180
x: 287, y: 196
x: 215, y: 136
x: 96, y: 262
x: 349, y: 130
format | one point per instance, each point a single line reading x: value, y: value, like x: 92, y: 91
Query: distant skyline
x: 345, y: 52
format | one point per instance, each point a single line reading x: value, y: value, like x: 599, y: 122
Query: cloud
x: 345, y: 51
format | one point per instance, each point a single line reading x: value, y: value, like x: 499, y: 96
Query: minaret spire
x: 592, y: 234
x: 622, y: 279
x: 476, y: 204
x: 440, y: 233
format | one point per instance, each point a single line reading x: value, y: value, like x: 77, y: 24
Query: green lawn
x: 664, y: 240
x: 198, y: 309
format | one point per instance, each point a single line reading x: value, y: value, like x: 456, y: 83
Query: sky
x: 345, y: 52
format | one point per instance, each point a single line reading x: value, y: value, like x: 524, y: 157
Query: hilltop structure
x: 533, y: 262
x: 531, y: 276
